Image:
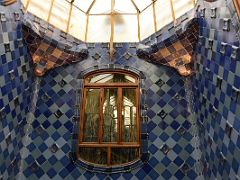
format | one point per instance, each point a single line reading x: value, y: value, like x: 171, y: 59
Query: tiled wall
x: 173, y: 135
x: 15, y: 88
x: 172, y: 144
x: 217, y: 88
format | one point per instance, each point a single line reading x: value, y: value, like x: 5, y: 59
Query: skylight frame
x: 139, y: 10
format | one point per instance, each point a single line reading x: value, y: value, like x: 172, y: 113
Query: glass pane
x: 141, y: 4
x: 129, y: 113
x: 83, y: 4
x: 94, y: 155
x: 126, y: 28
x: 101, y: 6
x: 99, y: 28
x: 39, y: 9
x: 123, y: 155
x: 123, y: 6
x: 181, y: 7
x: 77, y: 26
x: 163, y: 17
x: 91, y: 116
x: 110, y: 78
x: 60, y: 13
x: 110, y: 115
x: 25, y: 3
x: 146, y: 23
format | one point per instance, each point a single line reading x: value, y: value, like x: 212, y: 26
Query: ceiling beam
x: 87, y: 19
x: 138, y: 19
x: 86, y: 30
x: 90, y: 7
x: 172, y: 10
x: 75, y: 6
x: 27, y: 4
x: 108, y: 14
x: 154, y: 16
x: 193, y: 1
x: 50, y: 11
x: 139, y: 29
x: 69, y: 16
x: 148, y: 5
x: 134, y: 4
x: 112, y: 29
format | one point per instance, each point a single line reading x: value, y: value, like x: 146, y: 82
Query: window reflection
x: 110, y: 115
x: 109, y: 133
x: 110, y: 78
x: 129, y: 113
x: 91, y: 115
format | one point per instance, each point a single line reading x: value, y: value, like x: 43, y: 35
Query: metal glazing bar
x: 50, y: 11
x: 69, y: 16
x: 139, y: 29
x: 154, y: 16
x: 90, y: 7
x: 112, y: 29
x: 28, y: 2
x: 172, y: 10
x: 86, y: 31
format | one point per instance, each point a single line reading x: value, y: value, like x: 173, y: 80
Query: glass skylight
x: 109, y: 20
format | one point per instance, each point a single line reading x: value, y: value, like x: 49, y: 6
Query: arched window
x: 109, y: 122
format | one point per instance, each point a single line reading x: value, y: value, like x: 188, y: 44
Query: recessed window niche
x: 108, y: 120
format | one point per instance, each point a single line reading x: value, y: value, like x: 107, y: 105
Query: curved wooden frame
x: 102, y: 86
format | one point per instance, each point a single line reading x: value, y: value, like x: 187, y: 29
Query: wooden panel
x: 125, y: 145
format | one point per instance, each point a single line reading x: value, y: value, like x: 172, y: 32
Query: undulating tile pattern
x: 176, y: 51
x: 50, y: 47
x: 15, y: 87
x: 172, y: 149
x: 176, y: 151
x: 217, y: 88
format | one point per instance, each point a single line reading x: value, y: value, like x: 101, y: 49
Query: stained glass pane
x: 91, y: 116
x: 123, y: 155
x: 94, y: 155
x: 110, y: 115
x: 129, y: 115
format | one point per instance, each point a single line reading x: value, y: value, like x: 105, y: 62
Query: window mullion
x: 138, y: 113
x: 108, y: 155
x: 82, y: 115
x: 100, y: 115
x: 119, y: 115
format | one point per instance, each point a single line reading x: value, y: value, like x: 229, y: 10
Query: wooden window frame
x: 109, y: 145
